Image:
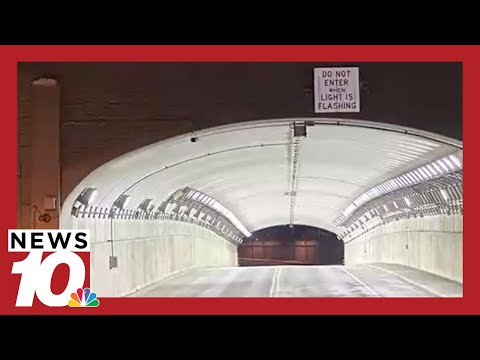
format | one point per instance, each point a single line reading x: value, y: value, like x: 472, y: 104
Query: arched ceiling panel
x: 248, y: 168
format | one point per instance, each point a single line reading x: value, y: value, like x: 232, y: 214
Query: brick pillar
x: 45, y: 154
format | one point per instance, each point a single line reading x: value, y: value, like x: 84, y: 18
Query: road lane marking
x: 275, y: 281
x: 277, y: 290
x: 360, y: 282
x: 408, y: 280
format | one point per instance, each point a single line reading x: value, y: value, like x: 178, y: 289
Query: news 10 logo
x: 36, y: 275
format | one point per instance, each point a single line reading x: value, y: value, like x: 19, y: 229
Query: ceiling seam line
x: 294, y: 178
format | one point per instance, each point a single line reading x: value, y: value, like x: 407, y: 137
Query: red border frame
x: 10, y: 55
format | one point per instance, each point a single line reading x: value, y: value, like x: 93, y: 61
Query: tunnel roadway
x: 373, y: 280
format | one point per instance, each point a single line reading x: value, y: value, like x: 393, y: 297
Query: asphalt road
x: 304, y: 281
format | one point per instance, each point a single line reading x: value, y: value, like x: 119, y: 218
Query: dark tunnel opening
x: 297, y: 245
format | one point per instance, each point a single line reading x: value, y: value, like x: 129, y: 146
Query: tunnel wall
x: 148, y: 251
x: 433, y: 244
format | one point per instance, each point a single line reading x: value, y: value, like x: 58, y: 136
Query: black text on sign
x: 336, y: 90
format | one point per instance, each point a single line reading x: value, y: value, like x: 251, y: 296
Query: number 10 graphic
x: 37, y: 275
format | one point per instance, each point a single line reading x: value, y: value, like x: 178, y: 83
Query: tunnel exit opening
x: 291, y: 245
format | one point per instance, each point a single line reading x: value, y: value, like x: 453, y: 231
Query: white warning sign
x: 336, y: 90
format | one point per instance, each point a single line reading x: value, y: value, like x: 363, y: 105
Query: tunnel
x: 291, y: 245
x: 182, y: 208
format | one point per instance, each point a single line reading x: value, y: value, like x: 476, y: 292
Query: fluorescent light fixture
x: 179, y: 193
x: 402, y: 179
x: 219, y: 208
x: 456, y: 161
x: 385, y: 207
x: 438, y: 168
x: 86, y: 198
x: 407, y: 200
x: 395, y: 204
x: 444, y: 167
x: 364, y: 197
x: 432, y: 169
x: 145, y: 204
x: 170, y: 207
x: 426, y: 171
x: 444, y: 194
x: 393, y: 184
x: 91, y: 196
x: 415, y: 176
x: 121, y: 202
x: 421, y: 174
x: 410, y: 178
x: 350, y: 208
x: 449, y: 163
x: 151, y: 207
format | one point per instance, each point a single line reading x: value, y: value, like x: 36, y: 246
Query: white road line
x: 360, y: 282
x: 407, y: 280
x: 274, y: 287
x: 277, y: 290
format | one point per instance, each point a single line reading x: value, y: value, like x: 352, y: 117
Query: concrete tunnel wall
x: 148, y: 251
x: 435, y: 244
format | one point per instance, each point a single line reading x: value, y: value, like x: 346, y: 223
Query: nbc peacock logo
x: 83, y: 298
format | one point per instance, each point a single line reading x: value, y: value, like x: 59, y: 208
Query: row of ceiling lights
x: 435, y: 169
x: 213, y: 204
x: 435, y: 201
x: 87, y: 197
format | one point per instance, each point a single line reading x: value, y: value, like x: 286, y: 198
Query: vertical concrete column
x: 45, y: 185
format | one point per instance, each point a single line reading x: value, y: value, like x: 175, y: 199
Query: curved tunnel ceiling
x: 248, y: 167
